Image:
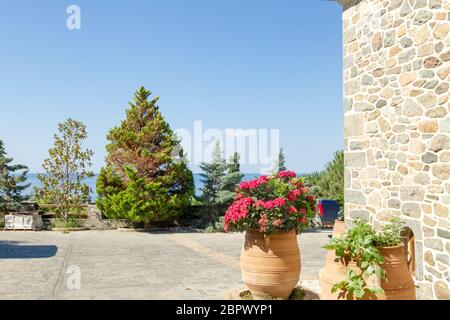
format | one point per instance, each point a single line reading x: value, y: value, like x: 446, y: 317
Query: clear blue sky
x: 231, y: 64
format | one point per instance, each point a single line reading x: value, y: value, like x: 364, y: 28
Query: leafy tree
x: 280, y: 164
x: 213, y: 176
x: 330, y: 182
x: 146, y: 178
x: 11, y: 184
x: 62, y: 184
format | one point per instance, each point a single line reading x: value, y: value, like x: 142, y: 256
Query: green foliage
x: 330, y: 182
x: 62, y: 184
x: 146, y: 178
x: 391, y: 233
x: 142, y: 201
x: 296, y: 294
x: 280, y: 164
x: 70, y: 223
x: 220, y: 180
x: 360, y: 244
x: 11, y: 184
x: 231, y: 180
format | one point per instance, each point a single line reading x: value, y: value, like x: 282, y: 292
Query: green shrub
x: 70, y: 223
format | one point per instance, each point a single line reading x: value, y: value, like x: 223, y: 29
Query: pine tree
x: 329, y: 183
x: 213, y: 177
x: 11, y: 184
x: 280, y: 164
x: 146, y: 178
x: 63, y: 183
x: 232, y: 179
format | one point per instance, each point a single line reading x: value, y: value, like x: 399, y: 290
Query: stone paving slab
x: 122, y: 265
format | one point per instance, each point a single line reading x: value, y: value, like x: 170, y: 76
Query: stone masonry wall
x: 397, y: 124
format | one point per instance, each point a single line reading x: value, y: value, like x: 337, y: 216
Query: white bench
x: 23, y: 222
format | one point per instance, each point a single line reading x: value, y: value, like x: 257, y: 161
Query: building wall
x: 397, y: 124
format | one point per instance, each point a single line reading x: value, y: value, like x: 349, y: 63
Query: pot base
x: 270, y: 269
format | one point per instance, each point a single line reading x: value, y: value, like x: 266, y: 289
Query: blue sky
x: 264, y: 64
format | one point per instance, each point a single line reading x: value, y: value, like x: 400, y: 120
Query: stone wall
x: 397, y: 124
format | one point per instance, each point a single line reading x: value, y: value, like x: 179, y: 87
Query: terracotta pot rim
x: 278, y: 232
x: 392, y: 247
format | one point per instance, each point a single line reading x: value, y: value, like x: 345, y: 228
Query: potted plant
x: 339, y: 224
x: 271, y: 210
x: 368, y: 265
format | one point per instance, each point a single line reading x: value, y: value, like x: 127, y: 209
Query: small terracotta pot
x: 270, y: 265
x: 399, y: 284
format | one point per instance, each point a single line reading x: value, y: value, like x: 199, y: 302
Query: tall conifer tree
x: 11, y: 184
x: 212, y: 178
x: 146, y: 178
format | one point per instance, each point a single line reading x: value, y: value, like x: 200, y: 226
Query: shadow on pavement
x: 12, y: 250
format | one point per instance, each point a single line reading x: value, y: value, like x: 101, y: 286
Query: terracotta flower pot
x: 331, y: 266
x: 339, y: 228
x: 270, y: 265
x: 399, y: 284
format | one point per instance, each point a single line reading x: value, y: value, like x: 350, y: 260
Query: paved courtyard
x: 130, y: 265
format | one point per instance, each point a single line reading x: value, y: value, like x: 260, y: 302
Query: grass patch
x: 297, y: 294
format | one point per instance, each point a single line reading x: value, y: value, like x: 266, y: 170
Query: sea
x: 91, y: 182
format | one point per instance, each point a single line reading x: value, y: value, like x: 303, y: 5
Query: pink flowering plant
x: 269, y: 204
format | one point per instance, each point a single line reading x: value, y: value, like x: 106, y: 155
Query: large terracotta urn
x: 270, y: 265
x: 399, y: 284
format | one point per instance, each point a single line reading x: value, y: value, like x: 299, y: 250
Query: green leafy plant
x: 70, y: 223
x: 391, y: 233
x: 360, y: 245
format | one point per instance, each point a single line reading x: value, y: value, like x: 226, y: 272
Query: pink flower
x: 303, y: 211
x: 237, y: 211
x: 253, y: 184
x: 263, y: 222
x: 238, y: 196
x: 269, y: 205
x: 279, y: 202
x: 293, y: 195
x: 278, y: 223
x: 302, y: 220
x: 292, y: 210
x: 287, y: 174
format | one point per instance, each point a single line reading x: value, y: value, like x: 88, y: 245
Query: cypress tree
x: 11, y: 184
x: 146, y: 178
